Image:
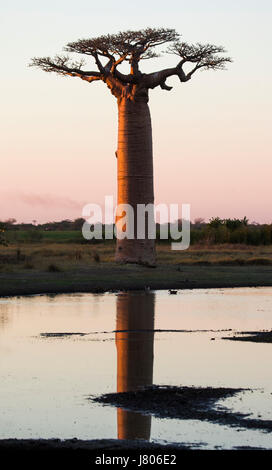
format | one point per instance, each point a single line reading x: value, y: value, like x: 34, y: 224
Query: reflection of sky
x: 59, y: 135
x: 45, y: 381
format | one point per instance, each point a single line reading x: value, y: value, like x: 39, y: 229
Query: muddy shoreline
x: 76, y: 453
x: 179, y: 402
x: 193, y: 403
x: 251, y: 336
x: 107, y: 278
x: 75, y: 444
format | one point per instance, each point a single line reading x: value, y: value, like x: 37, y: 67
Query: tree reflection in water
x: 134, y: 342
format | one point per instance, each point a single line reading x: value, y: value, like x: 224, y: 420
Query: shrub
x: 34, y: 236
x: 96, y: 257
x: 28, y: 265
x: 53, y: 268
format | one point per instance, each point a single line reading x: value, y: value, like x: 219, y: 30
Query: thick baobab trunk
x: 135, y: 175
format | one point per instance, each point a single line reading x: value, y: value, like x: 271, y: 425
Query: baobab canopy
x: 134, y: 151
x: 111, y: 50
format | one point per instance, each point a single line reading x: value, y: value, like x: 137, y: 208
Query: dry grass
x: 39, y: 256
x: 216, y: 255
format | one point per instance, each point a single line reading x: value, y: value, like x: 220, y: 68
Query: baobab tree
x: 134, y: 150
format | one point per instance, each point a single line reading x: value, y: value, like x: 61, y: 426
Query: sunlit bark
x: 135, y: 174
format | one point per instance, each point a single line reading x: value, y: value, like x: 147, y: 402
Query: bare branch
x: 110, y: 51
x: 128, y: 45
x: 203, y: 55
x: 155, y: 79
x: 165, y: 87
x: 98, y: 63
x: 63, y: 66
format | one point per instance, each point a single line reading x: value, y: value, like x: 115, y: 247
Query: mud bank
x: 252, y: 336
x: 184, y: 403
x: 157, y: 330
x: 75, y: 453
x: 105, y: 278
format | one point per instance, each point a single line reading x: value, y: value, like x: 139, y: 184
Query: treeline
x: 216, y: 231
x: 62, y: 225
x: 233, y: 231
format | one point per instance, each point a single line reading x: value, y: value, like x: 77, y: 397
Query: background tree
x: 134, y: 151
x: 3, y: 240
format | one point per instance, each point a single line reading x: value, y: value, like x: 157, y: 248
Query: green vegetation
x: 36, y: 260
x: 234, y: 231
x: 216, y: 232
x: 57, y: 259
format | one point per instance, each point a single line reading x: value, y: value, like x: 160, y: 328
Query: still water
x: 46, y: 379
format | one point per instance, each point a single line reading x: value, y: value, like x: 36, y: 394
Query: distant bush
x: 28, y: 265
x: 96, y: 257
x: 3, y: 240
x: 234, y: 231
x: 259, y: 261
x: 53, y: 268
x: 34, y: 236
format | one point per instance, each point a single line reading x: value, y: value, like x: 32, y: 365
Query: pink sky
x: 212, y: 136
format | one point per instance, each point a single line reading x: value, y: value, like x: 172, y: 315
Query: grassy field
x: 41, y: 267
x: 41, y: 256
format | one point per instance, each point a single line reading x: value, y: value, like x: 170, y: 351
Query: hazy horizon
x: 192, y: 220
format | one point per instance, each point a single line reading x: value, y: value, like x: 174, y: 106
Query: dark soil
x: 60, y: 335
x: 252, y: 336
x: 79, y: 454
x: 184, y: 403
x: 158, y: 330
x: 112, y: 277
x: 82, y: 445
